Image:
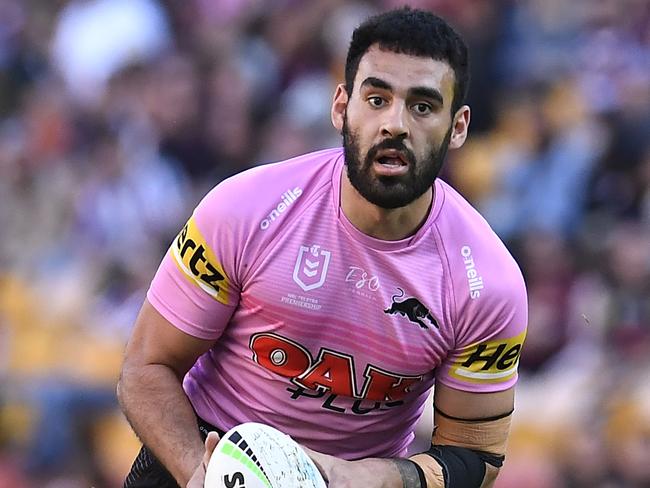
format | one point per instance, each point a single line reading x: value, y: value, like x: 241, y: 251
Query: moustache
x: 395, y: 144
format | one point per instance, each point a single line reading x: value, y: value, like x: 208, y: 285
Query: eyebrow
x: 377, y: 83
x: 416, y: 91
x: 426, y: 92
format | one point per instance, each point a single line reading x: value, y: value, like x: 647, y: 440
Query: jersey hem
x: 484, y: 387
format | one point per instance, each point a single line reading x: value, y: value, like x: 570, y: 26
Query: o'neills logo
x: 288, y: 197
x: 473, y: 278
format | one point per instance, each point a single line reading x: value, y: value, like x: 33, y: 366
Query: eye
x: 422, y: 108
x: 376, y: 102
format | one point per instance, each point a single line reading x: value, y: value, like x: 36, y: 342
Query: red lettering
x: 382, y: 386
x: 332, y: 371
x: 280, y: 355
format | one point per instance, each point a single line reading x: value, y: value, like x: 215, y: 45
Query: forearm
x: 158, y: 410
x: 369, y: 472
x: 391, y: 473
x: 441, y: 467
x: 424, y: 471
x: 465, y: 452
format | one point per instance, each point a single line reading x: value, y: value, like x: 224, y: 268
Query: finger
x: 211, y: 442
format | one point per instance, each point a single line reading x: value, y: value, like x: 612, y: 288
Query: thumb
x: 211, y: 442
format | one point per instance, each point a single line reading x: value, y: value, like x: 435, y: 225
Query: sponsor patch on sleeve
x: 198, y: 263
x: 493, y: 361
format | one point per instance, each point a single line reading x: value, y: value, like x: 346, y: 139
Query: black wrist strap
x: 462, y: 467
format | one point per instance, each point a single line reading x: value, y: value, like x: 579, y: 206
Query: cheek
x: 363, y: 121
x: 432, y: 139
x: 361, y: 135
x: 423, y: 145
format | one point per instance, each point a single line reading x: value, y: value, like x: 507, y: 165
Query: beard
x: 391, y: 191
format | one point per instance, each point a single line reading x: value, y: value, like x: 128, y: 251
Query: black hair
x: 414, y: 32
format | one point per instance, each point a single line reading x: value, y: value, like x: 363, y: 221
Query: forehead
x: 403, y: 71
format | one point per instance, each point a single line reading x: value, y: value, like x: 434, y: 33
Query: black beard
x: 391, y: 191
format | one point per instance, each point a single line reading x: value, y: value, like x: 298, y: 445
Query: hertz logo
x: 198, y: 263
x: 489, y: 362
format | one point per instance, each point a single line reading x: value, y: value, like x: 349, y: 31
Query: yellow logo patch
x: 198, y: 263
x: 489, y: 362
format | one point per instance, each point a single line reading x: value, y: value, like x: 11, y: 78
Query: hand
x: 198, y: 478
x: 369, y: 473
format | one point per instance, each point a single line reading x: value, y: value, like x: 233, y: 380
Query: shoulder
x: 240, y: 217
x: 260, y: 195
x: 489, y: 302
x: 468, y: 239
x: 484, y: 275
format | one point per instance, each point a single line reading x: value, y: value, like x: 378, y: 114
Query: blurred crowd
x: 117, y: 116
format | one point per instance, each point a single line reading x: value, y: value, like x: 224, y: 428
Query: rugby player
x: 326, y: 294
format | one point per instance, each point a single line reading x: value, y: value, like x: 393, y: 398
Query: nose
x: 394, y: 124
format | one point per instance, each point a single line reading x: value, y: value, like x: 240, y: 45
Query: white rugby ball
x: 254, y: 455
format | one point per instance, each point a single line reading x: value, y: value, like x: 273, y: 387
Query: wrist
x: 188, y: 465
x: 385, y: 471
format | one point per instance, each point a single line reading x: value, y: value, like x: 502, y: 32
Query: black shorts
x: 148, y: 472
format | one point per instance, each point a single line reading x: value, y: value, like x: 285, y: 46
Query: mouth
x: 391, y: 158
x: 390, y: 162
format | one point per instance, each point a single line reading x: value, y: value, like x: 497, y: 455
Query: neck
x: 381, y: 223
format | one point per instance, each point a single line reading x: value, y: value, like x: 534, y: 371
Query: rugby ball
x: 254, y: 455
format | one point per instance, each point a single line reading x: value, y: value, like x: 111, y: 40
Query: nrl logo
x: 310, y: 270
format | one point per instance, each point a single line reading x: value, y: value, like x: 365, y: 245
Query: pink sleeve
x: 490, y: 322
x: 196, y: 286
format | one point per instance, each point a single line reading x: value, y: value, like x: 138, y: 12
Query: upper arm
x: 194, y: 292
x: 197, y: 285
x: 475, y: 421
x: 156, y: 341
x: 469, y: 439
x: 470, y: 406
x: 489, y: 336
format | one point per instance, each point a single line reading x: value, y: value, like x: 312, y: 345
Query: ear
x: 339, y: 106
x: 460, y: 127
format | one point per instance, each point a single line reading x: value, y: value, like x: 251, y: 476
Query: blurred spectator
x: 546, y: 259
x: 94, y: 39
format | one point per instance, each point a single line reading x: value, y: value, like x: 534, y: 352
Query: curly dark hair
x: 414, y: 32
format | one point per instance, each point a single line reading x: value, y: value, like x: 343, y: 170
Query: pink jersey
x: 329, y: 335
